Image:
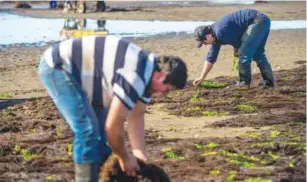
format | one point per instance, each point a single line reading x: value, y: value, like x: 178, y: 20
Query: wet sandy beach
x: 17, y: 64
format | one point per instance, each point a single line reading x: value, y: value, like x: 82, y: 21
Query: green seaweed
x: 257, y: 179
x: 240, y: 159
x: 246, y: 108
x: 235, y: 64
x: 287, y: 78
x: 264, y: 162
x: 273, y: 156
x: 291, y: 164
x: 5, y: 96
x: 210, y: 145
x: 62, y: 158
x: 212, y: 84
x: 199, y: 146
x: 241, y: 163
x: 195, y: 97
x: 214, y: 113
x: 231, y: 175
x: 292, y: 135
x: 17, y: 148
x: 239, y: 156
x: 176, y: 94
x: 69, y: 148
x: 268, y: 172
x: 49, y: 178
x: 274, y: 134
x: 299, y: 145
x: 299, y: 93
x: 209, y: 153
x: 59, y: 131
x: 171, y: 155
x: 215, y: 172
x: 25, y: 153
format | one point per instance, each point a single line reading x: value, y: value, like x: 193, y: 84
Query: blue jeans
x: 86, y: 122
x: 52, y: 4
x: 253, y: 48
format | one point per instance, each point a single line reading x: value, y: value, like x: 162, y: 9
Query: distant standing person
x: 52, y: 4
x: 247, y: 30
x: 98, y: 83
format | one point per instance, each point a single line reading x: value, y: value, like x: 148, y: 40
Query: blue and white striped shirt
x: 106, y: 66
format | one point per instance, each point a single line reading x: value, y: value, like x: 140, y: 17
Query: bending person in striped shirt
x: 98, y: 83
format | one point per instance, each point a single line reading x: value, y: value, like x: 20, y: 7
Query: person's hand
x: 129, y: 165
x: 197, y: 81
x: 235, y: 52
x: 140, y: 155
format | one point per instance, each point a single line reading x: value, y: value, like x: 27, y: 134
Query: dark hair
x: 176, y: 70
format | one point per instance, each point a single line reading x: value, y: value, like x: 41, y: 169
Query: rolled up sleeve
x: 213, y: 53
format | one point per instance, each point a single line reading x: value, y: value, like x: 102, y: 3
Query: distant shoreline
x: 196, y: 11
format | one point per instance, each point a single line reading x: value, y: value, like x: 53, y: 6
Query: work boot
x: 265, y: 84
x: 267, y: 75
x: 87, y: 172
x: 242, y: 86
x: 245, y: 74
x: 239, y: 86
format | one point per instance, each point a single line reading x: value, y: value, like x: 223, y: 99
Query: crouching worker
x: 98, y: 83
x: 247, y: 30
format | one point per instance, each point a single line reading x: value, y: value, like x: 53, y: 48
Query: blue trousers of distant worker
x: 52, y: 4
x: 86, y: 121
x: 253, y: 48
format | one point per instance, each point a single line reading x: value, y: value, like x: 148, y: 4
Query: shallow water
x: 16, y: 29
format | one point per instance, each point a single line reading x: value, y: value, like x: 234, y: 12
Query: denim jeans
x: 86, y: 122
x: 253, y: 48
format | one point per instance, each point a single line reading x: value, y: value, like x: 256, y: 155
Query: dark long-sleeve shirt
x: 229, y: 30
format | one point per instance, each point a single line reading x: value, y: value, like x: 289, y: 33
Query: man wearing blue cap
x: 247, y: 30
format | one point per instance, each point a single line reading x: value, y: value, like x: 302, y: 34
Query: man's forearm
x: 136, y: 132
x: 206, y: 69
x: 117, y: 142
x: 115, y: 127
x: 136, y: 127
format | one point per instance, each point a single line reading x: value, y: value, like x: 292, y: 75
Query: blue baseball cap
x: 200, y: 34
